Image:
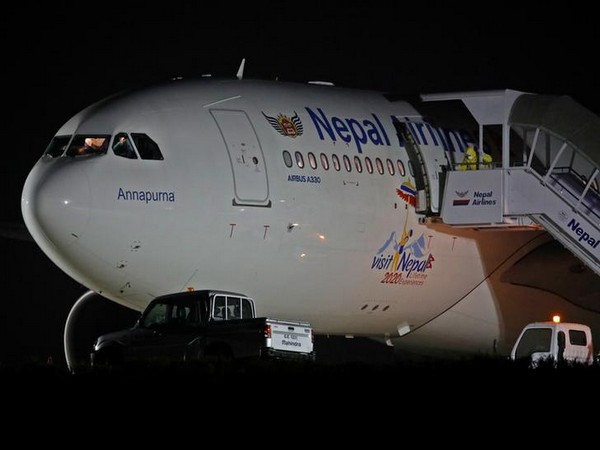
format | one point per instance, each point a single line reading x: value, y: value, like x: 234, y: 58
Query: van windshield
x: 533, y: 341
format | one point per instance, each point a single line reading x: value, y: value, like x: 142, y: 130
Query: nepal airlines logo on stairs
x: 461, y: 201
x: 581, y: 234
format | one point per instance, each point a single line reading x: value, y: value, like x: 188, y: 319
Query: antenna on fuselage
x: 240, y: 72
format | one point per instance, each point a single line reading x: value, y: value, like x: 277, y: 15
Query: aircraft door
x: 428, y: 160
x: 250, y: 181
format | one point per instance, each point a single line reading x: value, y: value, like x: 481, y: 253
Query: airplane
x: 321, y: 203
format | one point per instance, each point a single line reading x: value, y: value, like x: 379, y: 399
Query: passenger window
x: 300, y: 160
x: 379, y: 165
x: 336, y: 162
x: 84, y: 145
x: 122, y: 146
x: 390, y: 166
x: 358, y: 164
x: 246, y: 309
x: 233, y: 308
x: 202, y: 311
x: 577, y: 337
x: 324, y: 161
x: 57, y: 146
x: 312, y: 160
x: 219, y: 309
x: 369, y: 164
x: 287, y: 159
x: 192, y: 315
x: 347, y: 164
x: 401, y: 169
x: 146, y: 147
x: 180, y: 315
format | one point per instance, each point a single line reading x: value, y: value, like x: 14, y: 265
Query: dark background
x: 58, y: 59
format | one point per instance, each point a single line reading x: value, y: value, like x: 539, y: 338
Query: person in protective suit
x: 486, y: 161
x: 470, y: 159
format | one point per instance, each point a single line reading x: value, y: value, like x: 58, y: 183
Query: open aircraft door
x: 427, y: 162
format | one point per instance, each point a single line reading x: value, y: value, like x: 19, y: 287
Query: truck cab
x: 556, y: 341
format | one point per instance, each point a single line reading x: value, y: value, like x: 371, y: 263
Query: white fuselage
x: 341, y: 249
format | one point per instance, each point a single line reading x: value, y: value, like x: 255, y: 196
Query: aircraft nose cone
x: 56, y: 203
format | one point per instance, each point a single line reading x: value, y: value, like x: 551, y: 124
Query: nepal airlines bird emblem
x: 286, y: 126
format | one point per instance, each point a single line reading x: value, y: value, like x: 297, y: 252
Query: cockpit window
x: 122, y: 146
x: 57, y: 146
x: 86, y: 144
x: 146, y: 147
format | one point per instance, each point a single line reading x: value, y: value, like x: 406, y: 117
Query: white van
x: 559, y: 342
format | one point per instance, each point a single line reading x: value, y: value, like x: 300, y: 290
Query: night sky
x: 58, y: 59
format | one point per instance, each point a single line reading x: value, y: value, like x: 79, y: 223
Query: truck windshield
x: 533, y: 341
x: 170, y: 315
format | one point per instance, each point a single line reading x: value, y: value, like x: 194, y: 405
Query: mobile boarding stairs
x: 546, y: 173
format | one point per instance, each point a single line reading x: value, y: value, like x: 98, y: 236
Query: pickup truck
x: 193, y: 325
x: 556, y: 342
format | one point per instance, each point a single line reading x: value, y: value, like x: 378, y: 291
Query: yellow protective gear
x: 470, y: 159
